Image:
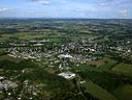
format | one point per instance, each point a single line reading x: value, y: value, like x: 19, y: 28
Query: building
x: 67, y: 75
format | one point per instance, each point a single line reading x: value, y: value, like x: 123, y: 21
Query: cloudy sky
x: 66, y: 9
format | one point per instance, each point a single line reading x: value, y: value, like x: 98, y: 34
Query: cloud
x: 3, y: 9
x: 43, y: 2
x: 114, y: 2
x: 124, y: 13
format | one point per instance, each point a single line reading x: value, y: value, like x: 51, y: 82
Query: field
x: 125, y: 69
x: 124, y: 92
x: 98, y: 92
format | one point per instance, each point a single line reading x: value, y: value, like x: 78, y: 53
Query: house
x: 65, y: 56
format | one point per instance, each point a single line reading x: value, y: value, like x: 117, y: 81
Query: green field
x: 97, y: 91
x: 125, y: 69
x: 124, y: 92
x: 108, y: 64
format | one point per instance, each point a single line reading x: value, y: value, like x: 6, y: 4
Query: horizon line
x: 63, y: 18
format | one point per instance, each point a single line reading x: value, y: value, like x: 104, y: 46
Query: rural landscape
x: 65, y: 59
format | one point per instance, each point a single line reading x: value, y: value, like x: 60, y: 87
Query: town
x: 65, y: 59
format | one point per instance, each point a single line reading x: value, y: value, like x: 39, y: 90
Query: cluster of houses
x: 79, y: 52
x: 74, y: 52
x: 9, y: 88
x: 6, y: 86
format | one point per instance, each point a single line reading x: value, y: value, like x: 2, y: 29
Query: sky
x: 106, y: 9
